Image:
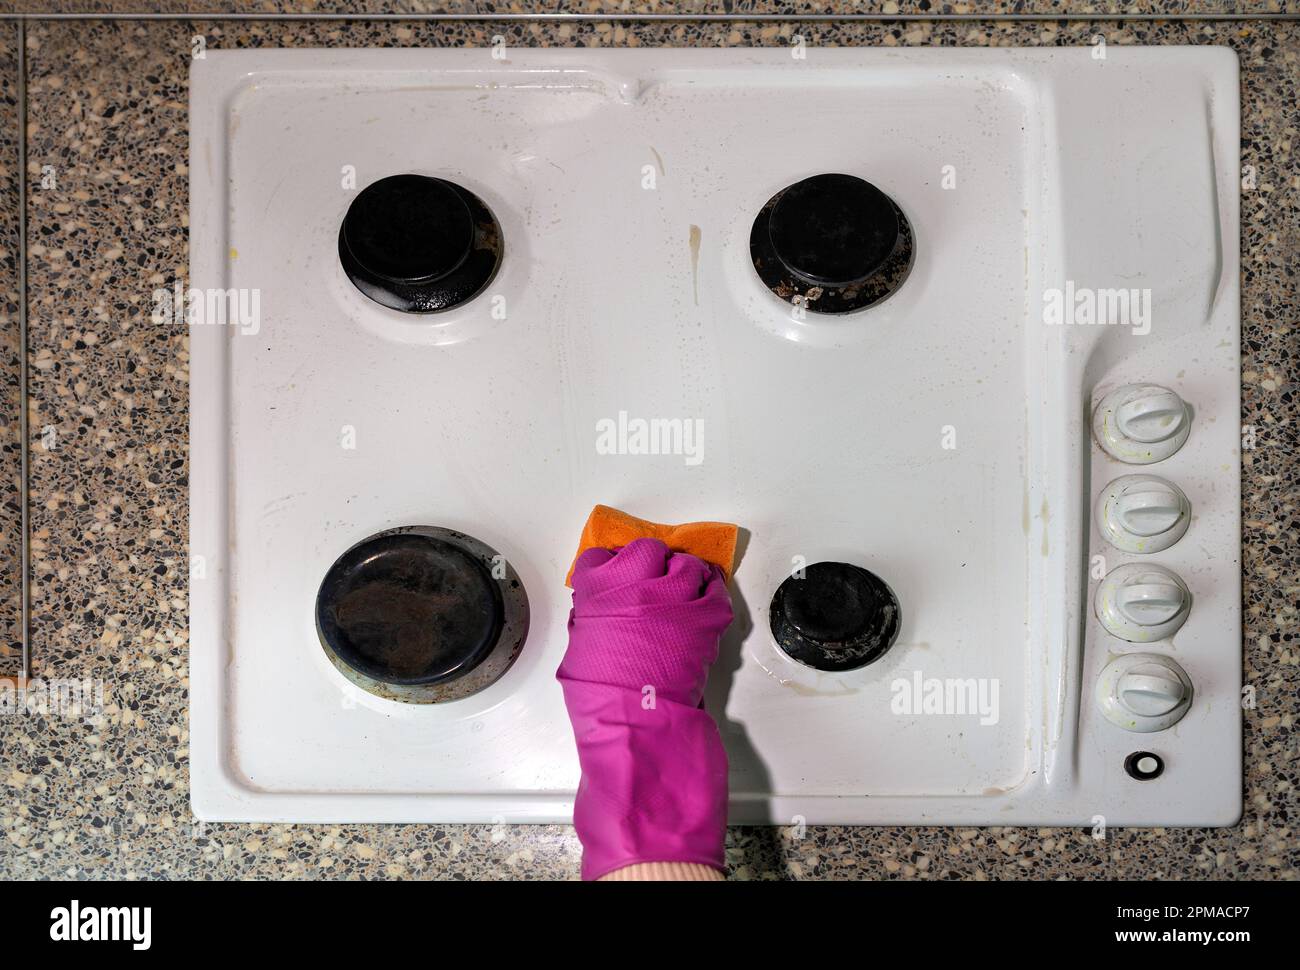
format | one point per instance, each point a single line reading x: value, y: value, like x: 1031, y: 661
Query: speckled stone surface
x: 10, y: 395
x: 660, y: 7
x: 108, y: 797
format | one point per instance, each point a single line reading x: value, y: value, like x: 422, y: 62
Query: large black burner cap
x: 835, y: 616
x: 833, y: 230
x: 419, y: 244
x: 831, y: 243
x: 409, y: 609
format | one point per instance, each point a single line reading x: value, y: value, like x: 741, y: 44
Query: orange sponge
x: 714, y: 542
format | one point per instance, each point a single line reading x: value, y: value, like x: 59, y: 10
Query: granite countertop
x: 108, y: 409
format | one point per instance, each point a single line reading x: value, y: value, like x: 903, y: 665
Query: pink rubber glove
x: 643, y: 631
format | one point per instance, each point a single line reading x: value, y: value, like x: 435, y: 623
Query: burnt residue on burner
x: 410, y: 609
x: 831, y: 243
x: 403, y: 614
x: 834, y: 616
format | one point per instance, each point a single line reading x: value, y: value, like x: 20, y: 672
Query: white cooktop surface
x: 940, y: 439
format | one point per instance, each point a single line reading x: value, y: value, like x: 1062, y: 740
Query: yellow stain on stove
x: 695, y: 261
x: 234, y: 253
x: 1046, y: 515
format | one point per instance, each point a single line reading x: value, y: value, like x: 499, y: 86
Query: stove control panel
x: 1155, y: 552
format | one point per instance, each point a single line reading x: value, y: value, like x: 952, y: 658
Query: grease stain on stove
x: 1046, y: 515
x: 694, y: 243
x: 803, y: 690
x: 659, y: 162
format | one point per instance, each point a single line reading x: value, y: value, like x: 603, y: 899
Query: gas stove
x: 953, y: 335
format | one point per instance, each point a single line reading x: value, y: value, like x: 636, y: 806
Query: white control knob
x: 1141, y: 423
x: 1142, y: 603
x: 1144, y: 692
x: 1143, y: 513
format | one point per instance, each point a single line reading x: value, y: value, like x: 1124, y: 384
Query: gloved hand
x: 643, y: 632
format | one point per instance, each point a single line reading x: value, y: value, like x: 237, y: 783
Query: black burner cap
x: 419, y: 244
x: 409, y: 609
x: 833, y: 230
x: 836, y: 617
x: 831, y: 244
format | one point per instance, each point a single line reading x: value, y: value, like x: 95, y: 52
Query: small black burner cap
x: 409, y: 609
x: 836, y: 617
x: 419, y: 244
x: 833, y: 243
